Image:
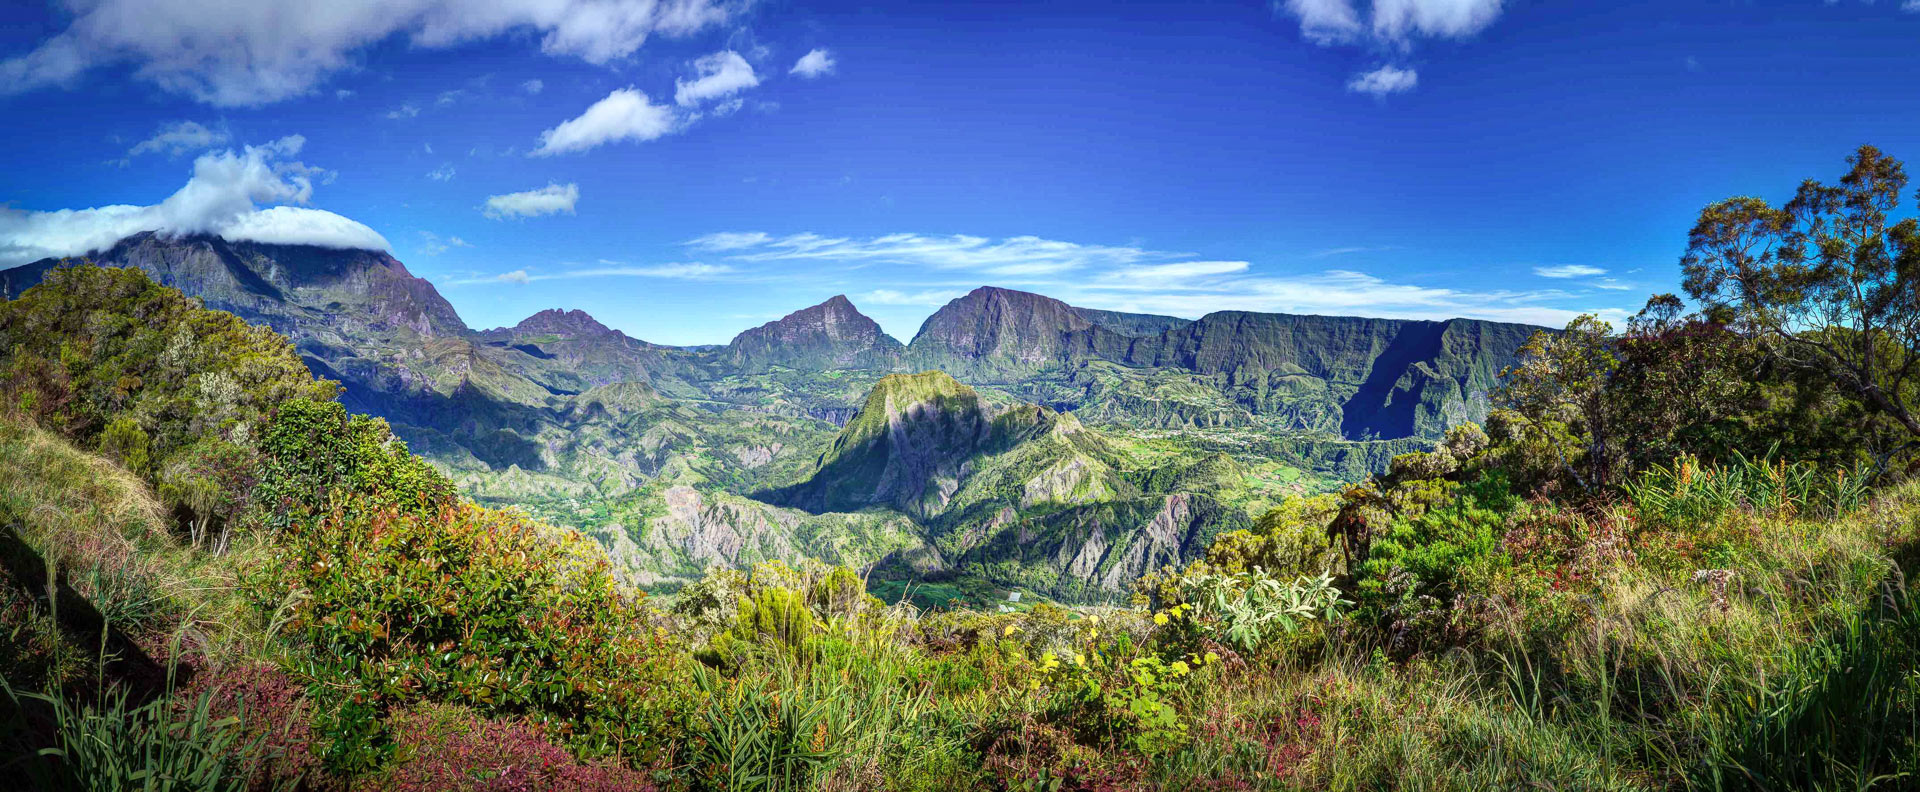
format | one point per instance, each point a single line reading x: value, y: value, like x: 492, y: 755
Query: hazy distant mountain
x: 831, y: 335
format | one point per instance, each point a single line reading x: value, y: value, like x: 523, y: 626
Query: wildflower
x: 1079, y: 659
x: 1093, y: 618
x: 1180, y: 668
x: 1160, y: 619
x: 1009, y: 631
x: 1212, y: 658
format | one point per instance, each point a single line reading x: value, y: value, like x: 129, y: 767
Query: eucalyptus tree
x: 1831, y: 278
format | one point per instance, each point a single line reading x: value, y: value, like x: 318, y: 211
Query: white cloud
x: 221, y: 198
x: 533, y: 86
x: 1384, y: 81
x: 1911, y: 6
x: 1176, y: 275
x: 1399, y: 19
x: 608, y: 269
x: 1391, y: 26
x: 442, y: 173
x: 1333, y: 292
x: 820, y: 63
x: 721, y: 74
x: 179, y: 138
x: 731, y: 240
x: 249, y: 53
x: 1022, y: 255
x: 1568, y: 271
x: 343, y: 94
x: 551, y: 199
x: 432, y: 245
x: 625, y: 114
x: 1324, y: 22
x: 1347, y: 251
x: 404, y: 111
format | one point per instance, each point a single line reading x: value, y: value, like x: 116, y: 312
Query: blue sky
x: 674, y: 169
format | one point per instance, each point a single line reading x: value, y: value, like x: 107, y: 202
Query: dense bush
x: 475, y: 607
x: 110, y: 358
x: 315, y: 451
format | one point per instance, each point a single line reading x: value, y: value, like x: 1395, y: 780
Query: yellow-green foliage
x: 103, y: 352
x: 314, y: 451
x: 476, y: 607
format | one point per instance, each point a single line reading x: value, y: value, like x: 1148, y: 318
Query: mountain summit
x: 831, y: 335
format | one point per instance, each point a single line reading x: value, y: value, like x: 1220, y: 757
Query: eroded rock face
x: 700, y: 531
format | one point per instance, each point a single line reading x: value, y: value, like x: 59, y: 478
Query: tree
x: 1831, y: 277
x: 1561, y: 382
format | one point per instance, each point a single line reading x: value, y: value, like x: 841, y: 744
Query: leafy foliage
x: 475, y: 607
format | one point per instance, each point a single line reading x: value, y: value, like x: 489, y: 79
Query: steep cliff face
x: 1361, y: 377
x: 1132, y: 324
x: 1336, y: 375
x: 831, y: 335
x: 342, y: 292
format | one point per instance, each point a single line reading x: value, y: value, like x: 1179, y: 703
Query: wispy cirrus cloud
x: 606, y: 269
x: 1349, y: 250
x: 1569, y: 271
x: 1020, y: 255
x: 928, y: 270
x: 1384, y: 81
x: 923, y: 297
x: 181, y: 137
x: 432, y: 244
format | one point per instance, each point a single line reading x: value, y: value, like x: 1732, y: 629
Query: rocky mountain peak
x: 561, y: 322
x: 1007, y: 330
x: 833, y: 334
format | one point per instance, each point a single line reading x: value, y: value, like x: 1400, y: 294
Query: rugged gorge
x: 1016, y: 439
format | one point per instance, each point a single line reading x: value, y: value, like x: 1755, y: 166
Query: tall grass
x: 1688, y: 493
x: 112, y: 744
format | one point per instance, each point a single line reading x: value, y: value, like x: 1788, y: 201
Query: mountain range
x: 1007, y: 441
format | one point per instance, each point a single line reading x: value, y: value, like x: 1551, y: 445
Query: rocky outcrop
x: 702, y: 530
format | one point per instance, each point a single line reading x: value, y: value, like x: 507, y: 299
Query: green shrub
x: 315, y: 451
x: 1428, y: 552
x: 473, y: 607
x: 107, y: 357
